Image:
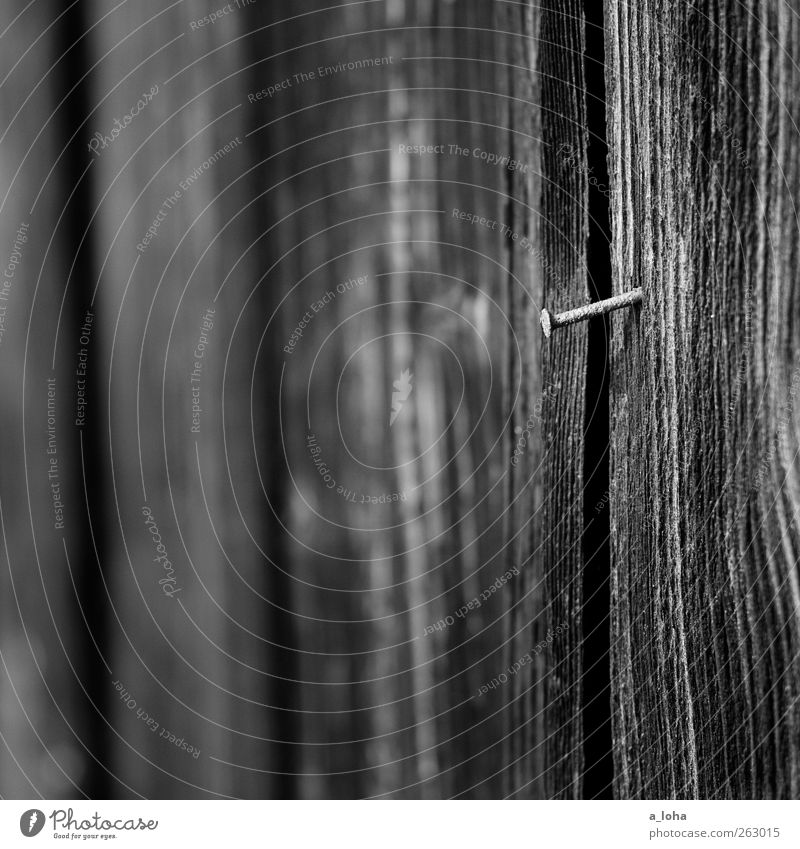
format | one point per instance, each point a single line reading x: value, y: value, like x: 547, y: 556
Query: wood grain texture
x: 564, y: 234
x: 705, y: 152
x: 300, y: 656
x: 518, y: 47
x: 547, y: 263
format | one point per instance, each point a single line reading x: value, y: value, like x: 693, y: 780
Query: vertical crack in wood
x: 595, y: 683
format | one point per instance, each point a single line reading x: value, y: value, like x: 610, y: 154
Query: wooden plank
x: 705, y: 156
x: 564, y: 209
x: 173, y: 235
x: 46, y: 709
x: 549, y: 269
x: 395, y: 701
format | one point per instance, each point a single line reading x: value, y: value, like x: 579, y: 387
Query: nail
x: 550, y: 322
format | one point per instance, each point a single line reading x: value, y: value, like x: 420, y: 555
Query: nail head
x: 547, y: 327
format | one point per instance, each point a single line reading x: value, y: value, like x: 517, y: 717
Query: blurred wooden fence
x: 643, y: 497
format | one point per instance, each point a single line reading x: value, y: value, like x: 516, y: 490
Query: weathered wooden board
x: 547, y: 262
x: 46, y: 579
x: 395, y: 709
x: 180, y: 319
x: 312, y: 644
x: 703, y: 117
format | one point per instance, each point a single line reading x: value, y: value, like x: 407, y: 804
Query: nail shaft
x: 550, y: 322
